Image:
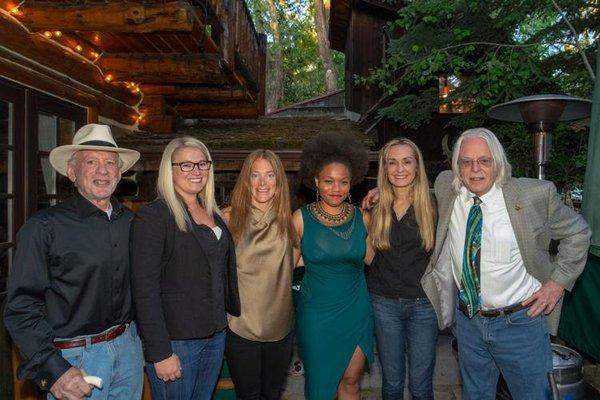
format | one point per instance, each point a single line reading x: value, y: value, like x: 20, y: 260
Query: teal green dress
x: 333, y: 312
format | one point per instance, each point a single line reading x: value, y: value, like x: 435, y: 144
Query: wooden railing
x: 243, y: 49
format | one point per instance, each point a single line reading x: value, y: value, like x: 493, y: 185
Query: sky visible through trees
x: 295, y: 67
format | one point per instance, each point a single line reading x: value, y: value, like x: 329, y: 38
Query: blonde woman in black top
x: 401, y: 233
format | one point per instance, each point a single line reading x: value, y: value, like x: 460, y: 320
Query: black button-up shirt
x: 70, y: 277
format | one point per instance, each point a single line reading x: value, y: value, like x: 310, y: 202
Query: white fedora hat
x: 91, y: 137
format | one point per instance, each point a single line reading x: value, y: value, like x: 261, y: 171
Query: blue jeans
x: 118, y: 362
x: 405, y: 327
x: 201, y: 361
x: 515, y: 345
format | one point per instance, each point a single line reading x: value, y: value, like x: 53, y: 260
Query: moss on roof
x: 272, y: 133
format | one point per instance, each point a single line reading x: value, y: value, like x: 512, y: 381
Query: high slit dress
x: 333, y: 311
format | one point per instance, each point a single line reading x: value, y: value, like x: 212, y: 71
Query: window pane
x: 46, y: 176
x: 5, y: 259
x: 66, y: 130
x: 46, y: 132
x: 46, y: 142
x: 6, y: 123
x: 6, y: 220
x: 6, y: 164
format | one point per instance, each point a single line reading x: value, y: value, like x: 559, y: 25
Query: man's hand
x: 545, y: 299
x: 71, y: 386
x: 168, y: 369
x: 370, y: 199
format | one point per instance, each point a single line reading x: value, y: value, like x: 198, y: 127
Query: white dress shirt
x: 504, y: 280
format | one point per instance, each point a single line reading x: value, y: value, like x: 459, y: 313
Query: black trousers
x: 258, y: 369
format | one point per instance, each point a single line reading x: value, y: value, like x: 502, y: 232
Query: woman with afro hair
x: 334, y: 320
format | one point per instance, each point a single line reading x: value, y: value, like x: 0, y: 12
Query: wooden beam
x: 28, y: 73
x: 231, y: 110
x: 194, y: 93
x: 36, y: 47
x: 109, y: 17
x: 163, y: 68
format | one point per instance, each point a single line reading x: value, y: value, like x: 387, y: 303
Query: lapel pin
x: 517, y: 207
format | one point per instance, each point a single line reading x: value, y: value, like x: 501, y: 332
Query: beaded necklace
x: 331, y: 221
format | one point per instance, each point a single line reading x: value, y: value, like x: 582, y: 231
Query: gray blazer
x: 537, y: 215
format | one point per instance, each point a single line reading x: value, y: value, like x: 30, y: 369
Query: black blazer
x: 165, y: 286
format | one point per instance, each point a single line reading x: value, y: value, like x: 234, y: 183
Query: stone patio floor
x: 446, y: 378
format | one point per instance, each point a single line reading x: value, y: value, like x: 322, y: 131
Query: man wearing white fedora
x: 69, y: 308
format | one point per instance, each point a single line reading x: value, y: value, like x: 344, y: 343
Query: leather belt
x: 502, y: 311
x: 101, y: 337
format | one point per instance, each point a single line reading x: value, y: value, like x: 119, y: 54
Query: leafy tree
x: 301, y: 66
x: 499, y: 50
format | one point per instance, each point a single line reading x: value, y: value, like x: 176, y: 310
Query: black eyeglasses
x: 188, y: 166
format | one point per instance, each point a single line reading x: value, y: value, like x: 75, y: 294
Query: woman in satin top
x: 259, y: 342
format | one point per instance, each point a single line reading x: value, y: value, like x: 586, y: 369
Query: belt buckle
x: 490, y: 313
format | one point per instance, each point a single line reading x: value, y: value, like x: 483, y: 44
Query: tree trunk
x: 276, y: 93
x: 322, y: 27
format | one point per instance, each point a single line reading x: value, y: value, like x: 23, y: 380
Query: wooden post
x: 262, y: 74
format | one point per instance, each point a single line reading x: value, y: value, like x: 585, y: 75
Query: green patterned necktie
x: 470, y: 292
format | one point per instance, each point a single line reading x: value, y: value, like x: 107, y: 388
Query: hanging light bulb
x: 57, y: 34
x: 79, y: 48
x: 108, y: 78
x: 48, y: 34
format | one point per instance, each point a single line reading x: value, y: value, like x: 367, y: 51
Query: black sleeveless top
x: 396, y: 273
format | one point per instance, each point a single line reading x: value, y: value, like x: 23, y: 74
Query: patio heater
x: 541, y: 113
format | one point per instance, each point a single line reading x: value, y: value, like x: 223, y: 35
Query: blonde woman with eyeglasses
x: 184, y: 276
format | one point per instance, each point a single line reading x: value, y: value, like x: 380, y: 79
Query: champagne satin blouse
x: 264, y: 268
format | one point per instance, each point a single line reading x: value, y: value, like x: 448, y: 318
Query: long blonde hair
x: 381, y: 220
x: 241, y: 197
x: 166, y: 188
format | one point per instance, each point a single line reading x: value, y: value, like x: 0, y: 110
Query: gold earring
x: 317, y: 195
x: 349, y: 198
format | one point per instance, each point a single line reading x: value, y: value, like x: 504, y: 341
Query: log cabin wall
x: 364, y: 50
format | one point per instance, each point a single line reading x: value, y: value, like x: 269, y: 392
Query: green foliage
x: 500, y: 50
x: 303, y: 70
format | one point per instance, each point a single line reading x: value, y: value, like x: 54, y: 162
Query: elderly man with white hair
x: 491, y: 270
x: 69, y: 307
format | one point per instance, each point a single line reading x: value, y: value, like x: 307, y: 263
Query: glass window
x: 6, y: 189
x: 52, y: 130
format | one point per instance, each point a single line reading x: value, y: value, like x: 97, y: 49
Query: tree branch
x: 443, y: 49
x: 577, y: 44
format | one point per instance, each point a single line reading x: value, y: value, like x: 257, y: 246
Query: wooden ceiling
x: 189, y: 59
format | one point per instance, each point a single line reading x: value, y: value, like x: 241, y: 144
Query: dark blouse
x: 396, y: 273
x: 216, y: 254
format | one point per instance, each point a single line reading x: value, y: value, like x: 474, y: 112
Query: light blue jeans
x: 201, y: 361
x: 118, y: 362
x: 405, y: 327
x: 515, y: 345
